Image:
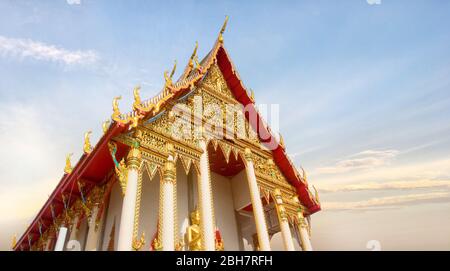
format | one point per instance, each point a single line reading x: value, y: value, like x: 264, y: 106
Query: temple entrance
x: 231, y: 195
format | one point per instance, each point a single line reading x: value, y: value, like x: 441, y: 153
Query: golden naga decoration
x: 193, y: 233
x: 304, y: 177
x: 138, y: 244
x: 117, y: 116
x: 168, y: 78
x: 252, y: 96
x: 68, y: 168
x: 120, y: 167
x: 137, y: 104
x: 83, y: 201
x: 222, y: 30
x: 87, y: 148
x: 316, y: 195
x: 116, y: 112
x: 194, y: 55
x: 282, y: 141
x: 105, y: 126
x: 197, y: 64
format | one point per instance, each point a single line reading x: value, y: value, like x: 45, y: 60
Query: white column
x: 93, y: 232
x: 167, y: 206
x: 303, y: 232
x: 129, y: 201
x: 59, y: 246
x: 74, y: 229
x: 206, y: 200
x: 258, y: 211
x: 284, y: 223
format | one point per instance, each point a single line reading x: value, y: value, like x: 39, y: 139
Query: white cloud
x: 388, y: 202
x: 363, y: 160
x: 73, y: 2
x: 374, y: 2
x: 26, y: 48
x: 384, y: 186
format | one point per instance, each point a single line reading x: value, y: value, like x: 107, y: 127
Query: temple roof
x: 94, y: 167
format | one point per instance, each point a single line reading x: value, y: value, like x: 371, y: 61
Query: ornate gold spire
x: 222, y: 30
x: 87, y: 148
x: 68, y: 168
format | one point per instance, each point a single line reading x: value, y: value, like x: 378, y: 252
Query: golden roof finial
x: 116, y: 111
x: 68, y: 168
x: 316, y: 195
x: 137, y: 97
x: 222, y: 30
x: 197, y: 64
x: 305, y: 178
x: 281, y: 141
x: 252, y: 95
x: 173, y: 69
x: 87, y: 148
x: 194, y: 54
x: 105, y: 126
x: 168, y: 78
x: 14, y: 241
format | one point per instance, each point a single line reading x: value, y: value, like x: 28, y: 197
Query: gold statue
x: 87, y: 148
x: 120, y: 167
x: 68, y: 168
x: 194, y: 237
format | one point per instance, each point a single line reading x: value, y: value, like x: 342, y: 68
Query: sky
x: 363, y: 88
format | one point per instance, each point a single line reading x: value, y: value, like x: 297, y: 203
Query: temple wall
x: 148, y: 218
x: 240, y: 190
x: 113, y: 213
x: 225, y: 211
x: 182, y: 201
x: 82, y: 233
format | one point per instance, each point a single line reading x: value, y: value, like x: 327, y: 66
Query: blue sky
x: 364, y: 95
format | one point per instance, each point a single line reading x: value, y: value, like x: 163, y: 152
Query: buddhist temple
x: 193, y: 168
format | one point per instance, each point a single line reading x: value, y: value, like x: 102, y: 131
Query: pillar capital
x: 248, y: 154
x: 134, y: 158
x: 169, y: 171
